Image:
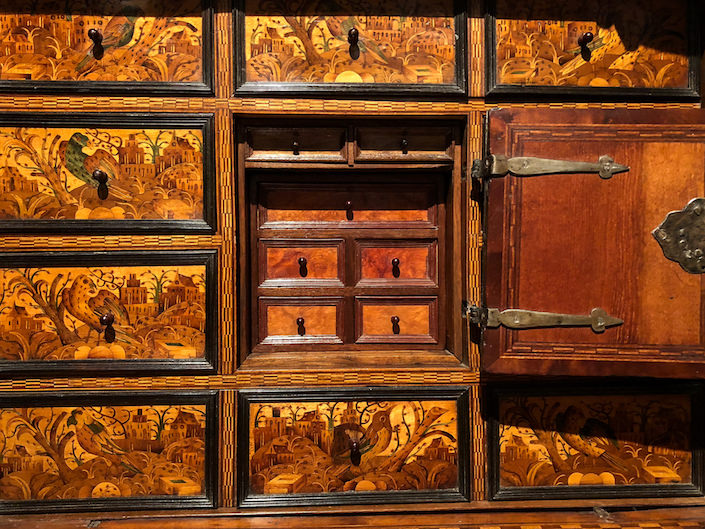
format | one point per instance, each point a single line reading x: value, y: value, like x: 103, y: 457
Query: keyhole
x: 395, y: 267
x: 300, y: 326
x: 303, y: 270
x: 395, y: 325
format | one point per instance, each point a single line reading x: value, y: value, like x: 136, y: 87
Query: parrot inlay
x: 538, y: 42
x: 305, y: 47
x: 348, y: 446
x: 588, y: 440
x: 57, y: 313
x: 101, y: 174
x: 143, y: 40
x: 90, y: 452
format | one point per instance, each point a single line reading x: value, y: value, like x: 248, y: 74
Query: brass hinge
x: 498, y: 165
x: 598, y: 319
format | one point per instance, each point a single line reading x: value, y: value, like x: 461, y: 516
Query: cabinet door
x: 576, y: 240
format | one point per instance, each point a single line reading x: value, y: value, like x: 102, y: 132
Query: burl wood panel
x: 300, y: 320
x: 143, y: 40
x: 54, y: 313
x: 415, y: 320
x: 91, y: 452
x: 321, y: 263
x: 637, y: 44
x: 399, y: 42
x: 570, y: 242
x: 305, y: 447
x: 605, y: 440
x: 46, y: 173
x: 414, y: 262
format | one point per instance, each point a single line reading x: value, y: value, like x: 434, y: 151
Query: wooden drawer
x: 128, y: 450
x: 296, y: 144
x: 119, y: 311
x: 352, y: 445
x: 103, y: 173
x: 404, y: 143
x: 396, y: 263
x: 118, y: 46
x: 300, y: 320
x: 347, y: 205
x: 301, y: 262
x: 637, y: 47
x: 396, y: 320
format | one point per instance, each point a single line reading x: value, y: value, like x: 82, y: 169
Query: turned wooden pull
x: 107, y: 321
x: 97, y: 38
x: 348, y: 210
x: 353, y: 38
x: 355, y: 454
x: 583, y: 41
x: 404, y: 146
x: 303, y: 271
x: 300, y: 326
x: 102, y: 178
x: 295, y: 147
x: 395, y: 325
x: 395, y: 267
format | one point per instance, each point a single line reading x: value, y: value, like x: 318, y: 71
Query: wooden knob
x: 97, y: 38
x: 107, y: 320
x: 353, y: 36
x: 348, y: 210
x: 395, y: 325
x: 102, y: 178
x: 395, y: 267
x: 300, y: 326
x: 303, y: 270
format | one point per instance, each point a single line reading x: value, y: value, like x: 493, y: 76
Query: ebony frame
x: 696, y: 488
x: 510, y: 91
x: 49, y: 368
x: 93, y: 398
x: 130, y: 88
x: 354, y: 90
x: 460, y: 395
x: 205, y: 122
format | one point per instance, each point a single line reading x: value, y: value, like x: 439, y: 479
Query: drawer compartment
x: 392, y: 263
x: 116, y: 46
x: 347, y: 206
x: 396, y: 320
x: 300, y: 320
x: 337, y: 445
x: 301, y: 262
x: 296, y: 144
x: 123, y: 311
x: 118, y: 173
x: 108, y: 451
x: 404, y: 143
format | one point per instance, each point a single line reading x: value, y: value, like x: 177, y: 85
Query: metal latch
x: 598, y: 319
x: 498, y: 165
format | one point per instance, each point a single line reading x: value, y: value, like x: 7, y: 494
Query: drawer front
x: 352, y: 445
x: 539, y: 44
x: 120, y: 45
x: 416, y: 143
x: 296, y: 144
x: 123, y: 310
x: 347, y: 206
x: 305, y: 263
x: 396, y: 320
x: 142, y: 450
x: 395, y: 263
x: 300, y: 320
x: 590, y: 442
x: 117, y: 173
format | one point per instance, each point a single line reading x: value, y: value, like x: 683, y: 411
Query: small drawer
x: 396, y: 320
x: 301, y: 262
x: 385, y: 262
x: 400, y: 143
x: 300, y: 320
x: 347, y: 206
x: 296, y: 144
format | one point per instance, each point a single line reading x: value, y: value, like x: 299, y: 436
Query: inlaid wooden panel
x: 292, y: 320
x: 53, y: 310
x: 139, y: 44
x: 396, y: 320
x: 573, y: 443
x: 397, y: 262
x: 304, y: 47
x: 107, y: 451
x: 301, y: 262
x: 119, y: 172
x: 643, y: 47
x: 336, y: 446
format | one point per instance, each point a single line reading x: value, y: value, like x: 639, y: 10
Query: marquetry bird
x: 86, y: 303
x: 340, y: 26
x: 350, y: 440
x: 590, y: 437
x: 94, y: 438
x: 118, y: 32
x: 82, y: 165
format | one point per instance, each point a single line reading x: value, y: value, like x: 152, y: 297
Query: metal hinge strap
x: 598, y: 319
x: 499, y: 165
